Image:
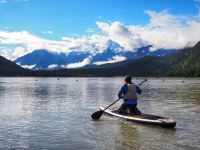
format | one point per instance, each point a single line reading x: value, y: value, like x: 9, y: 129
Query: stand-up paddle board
x: 143, y: 118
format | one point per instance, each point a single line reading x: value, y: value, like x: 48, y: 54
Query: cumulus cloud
x: 100, y: 17
x: 3, y: 1
x: 121, y: 34
x: 21, y: 0
x: 164, y: 31
x: 47, y: 32
x: 27, y: 66
x: 26, y: 43
x: 52, y: 66
x: 113, y: 60
x: 93, y: 44
x: 85, y: 62
x: 50, y: 32
x: 90, y: 30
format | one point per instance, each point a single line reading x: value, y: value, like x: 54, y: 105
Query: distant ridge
x: 9, y: 68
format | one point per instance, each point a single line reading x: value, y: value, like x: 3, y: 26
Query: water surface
x: 52, y: 113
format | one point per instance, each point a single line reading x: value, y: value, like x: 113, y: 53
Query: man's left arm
x: 138, y: 90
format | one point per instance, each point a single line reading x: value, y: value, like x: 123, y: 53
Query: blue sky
x: 71, y: 17
x: 59, y: 25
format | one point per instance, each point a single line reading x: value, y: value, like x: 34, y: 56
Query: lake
x: 54, y: 113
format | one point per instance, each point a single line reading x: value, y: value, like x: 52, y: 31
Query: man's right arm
x: 122, y: 92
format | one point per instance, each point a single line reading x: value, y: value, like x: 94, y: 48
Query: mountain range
x: 185, y: 62
x: 43, y: 59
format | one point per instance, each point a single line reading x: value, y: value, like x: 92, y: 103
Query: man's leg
x: 134, y: 110
x: 138, y: 111
x: 122, y: 109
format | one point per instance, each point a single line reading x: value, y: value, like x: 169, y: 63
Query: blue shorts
x: 128, y: 101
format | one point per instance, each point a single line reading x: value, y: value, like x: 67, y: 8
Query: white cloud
x: 162, y: 19
x: 27, y: 43
x: 27, y: 66
x: 52, y: 66
x: 121, y: 34
x: 47, y: 32
x: 164, y: 31
x: 3, y: 1
x: 18, y: 51
x: 24, y: 42
x: 21, y: 0
x: 50, y: 32
x: 93, y: 44
x: 6, y: 1
x: 113, y: 60
x: 85, y: 62
x: 90, y: 30
x: 100, y: 17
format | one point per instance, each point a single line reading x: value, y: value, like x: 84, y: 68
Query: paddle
x: 98, y: 114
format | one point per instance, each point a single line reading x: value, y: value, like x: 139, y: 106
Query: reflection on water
x: 47, y: 113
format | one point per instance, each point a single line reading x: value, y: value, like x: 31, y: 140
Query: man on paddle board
x: 129, y: 93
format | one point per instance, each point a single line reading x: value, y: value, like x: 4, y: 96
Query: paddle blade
x: 97, y: 115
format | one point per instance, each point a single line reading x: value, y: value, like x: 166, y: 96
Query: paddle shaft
x: 111, y: 104
x: 142, y: 82
x: 120, y: 98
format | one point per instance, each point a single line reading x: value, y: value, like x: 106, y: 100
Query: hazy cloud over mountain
x: 85, y: 62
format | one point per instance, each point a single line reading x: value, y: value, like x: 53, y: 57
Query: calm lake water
x: 47, y: 113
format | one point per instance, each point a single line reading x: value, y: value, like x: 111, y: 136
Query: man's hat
x: 128, y: 78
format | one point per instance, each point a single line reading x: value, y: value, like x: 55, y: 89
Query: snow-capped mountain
x: 43, y: 59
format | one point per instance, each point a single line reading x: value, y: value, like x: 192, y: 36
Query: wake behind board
x: 143, y: 118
